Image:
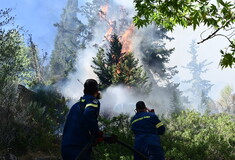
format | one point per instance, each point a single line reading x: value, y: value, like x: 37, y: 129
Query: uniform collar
x: 141, y: 113
x: 88, y: 96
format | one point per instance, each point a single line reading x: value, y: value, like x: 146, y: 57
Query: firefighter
x: 81, y: 125
x: 147, y: 127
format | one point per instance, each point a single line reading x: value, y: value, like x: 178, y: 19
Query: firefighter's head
x: 140, y: 106
x: 91, y: 88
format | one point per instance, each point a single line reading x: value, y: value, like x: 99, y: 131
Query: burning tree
x: 117, y: 67
x: 147, y: 44
x: 104, y: 18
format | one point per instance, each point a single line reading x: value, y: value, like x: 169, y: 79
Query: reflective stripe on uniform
x: 140, y: 119
x: 159, y: 124
x: 82, y: 100
x: 91, y: 105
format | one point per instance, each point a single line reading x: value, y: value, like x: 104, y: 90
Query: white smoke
x: 73, y: 87
x: 121, y: 99
x: 116, y: 99
x: 128, y: 4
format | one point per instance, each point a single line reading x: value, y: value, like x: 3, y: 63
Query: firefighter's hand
x: 150, y: 110
x: 110, y: 139
x: 98, y: 138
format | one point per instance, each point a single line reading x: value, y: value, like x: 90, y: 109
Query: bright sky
x: 209, y: 50
x: 38, y: 17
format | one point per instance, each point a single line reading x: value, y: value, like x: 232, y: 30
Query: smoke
x: 121, y: 99
x: 73, y: 87
x: 116, y: 99
x: 127, y: 4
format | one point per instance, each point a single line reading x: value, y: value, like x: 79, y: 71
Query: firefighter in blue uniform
x: 82, y: 124
x: 147, y: 128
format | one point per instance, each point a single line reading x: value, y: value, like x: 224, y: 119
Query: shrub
x: 33, y: 126
x: 119, y: 126
x: 190, y: 135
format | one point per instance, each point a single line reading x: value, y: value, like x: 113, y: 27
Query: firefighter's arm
x: 160, y: 128
x: 90, y: 114
x: 159, y: 125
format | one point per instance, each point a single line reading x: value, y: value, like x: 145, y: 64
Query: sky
x: 209, y: 50
x: 38, y: 17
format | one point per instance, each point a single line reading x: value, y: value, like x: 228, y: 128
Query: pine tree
x: 199, y: 87
x: 91, y: 11
x: 72, y: 35
x: 115, y: 67
x: 155, y: 56
x: 102, y: 69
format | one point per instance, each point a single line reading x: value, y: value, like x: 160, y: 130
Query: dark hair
x: 90, y: 87
x: 140, y: 105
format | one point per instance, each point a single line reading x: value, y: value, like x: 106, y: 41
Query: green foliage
x: 13, y: 60
x: 32, y: 126
x: 156, y: 55
x: 115, y: 67
x: 190, y: 135
x: 35, y: 126
x: 228, y: 58
x: 169, y: 14
x: 119, y: 126
x: 103, y: 70
x: 226, y: 102
x: 72, y: 35
x: 185, y: 13
x: 54, y: 107
x: 17, y: 61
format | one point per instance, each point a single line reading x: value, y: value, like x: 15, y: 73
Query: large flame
x: 116, y: 27
x: 126, y: 39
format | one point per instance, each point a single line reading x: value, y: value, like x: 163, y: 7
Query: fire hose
x: 110, y: 139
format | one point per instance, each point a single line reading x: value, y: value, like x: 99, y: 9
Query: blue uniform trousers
x: 151, y: 151
x: 71, y: 152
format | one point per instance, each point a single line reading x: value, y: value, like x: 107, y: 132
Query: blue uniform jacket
x: 147, y: 128
x: 81, y: 122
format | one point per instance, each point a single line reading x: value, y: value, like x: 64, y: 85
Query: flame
x: 103, y: 11
x: 108, y: 34
x: 126, y: 39
x: 126, y: 36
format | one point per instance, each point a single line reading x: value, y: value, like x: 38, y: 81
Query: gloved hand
x: 110, y: 139
x: 150, y: 110
x: 98, y: 138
